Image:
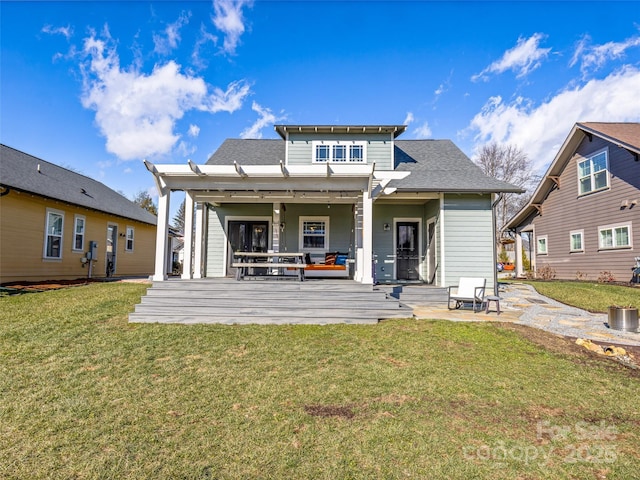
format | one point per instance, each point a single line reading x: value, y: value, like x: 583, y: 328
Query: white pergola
x: 357, y: 184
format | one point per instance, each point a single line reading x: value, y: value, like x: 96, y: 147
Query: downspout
x: 493, y: 233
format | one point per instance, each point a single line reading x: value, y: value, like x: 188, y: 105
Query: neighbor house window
x: 593, y: 173
x: 78, y: 233
x: 614, y: 237
x: 338, y: 151
x: 314, y: 233
x: 577, y: 241
x: 53, y: 235
x: 542, y: 245
x: 129, y: 245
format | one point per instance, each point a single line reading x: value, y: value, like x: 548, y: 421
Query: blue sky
x: 99, y: 86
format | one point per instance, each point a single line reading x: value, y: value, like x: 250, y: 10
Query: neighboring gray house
x: 584, y: 217
x: 415, y: 210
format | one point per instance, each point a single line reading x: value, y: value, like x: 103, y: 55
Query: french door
x: 247, y: 236
x: 407, y: 251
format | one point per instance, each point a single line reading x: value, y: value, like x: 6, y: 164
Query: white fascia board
x: 265, y: 171
x: 390, y: 175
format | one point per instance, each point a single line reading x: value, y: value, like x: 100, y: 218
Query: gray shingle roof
x: 435, y: 165
x: 440, y: 166
x: 249, y: 152
x: 19, y: 170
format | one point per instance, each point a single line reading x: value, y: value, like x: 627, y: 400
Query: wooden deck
x: 267, y: 301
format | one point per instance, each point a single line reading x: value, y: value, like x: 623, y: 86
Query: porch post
x: 197, y: 260
x: 162, y: 236
x: 187, y: 267
x: 357, y: 224
x: 275, y: 235
x: 367, y: 238
x: 518, y: 255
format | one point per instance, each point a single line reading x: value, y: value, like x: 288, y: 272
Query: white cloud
x: 423, y: 131
x: 229, y: 100
x: 592, y: 58
x: 540, y: 130
x: 137, y: 112
x: 265, y: 118
x: 522, y: 59
x: 164, y: 44
x: 204, y: 38
x: 128, y: 170
x: 408, y: 119
x: 66, y: 32
x: 228, y: 19
x: 194, y: 130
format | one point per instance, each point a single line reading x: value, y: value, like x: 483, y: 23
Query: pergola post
x: 187, y: 267
x: 367, y: 238
x: 162, y: 236
x: 199, y: 241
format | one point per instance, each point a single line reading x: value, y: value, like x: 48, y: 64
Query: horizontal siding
x: 215, y: 241
x: 299, y: 152
x: 379, y: 148
x: 22, y: 237
x: 564, y: 211
x: 383, y: 241
x: 341, y: 235
x: 468, y: 238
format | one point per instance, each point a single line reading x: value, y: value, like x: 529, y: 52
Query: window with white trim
x: 338, y: 151
x: 618, y: 236
x: 129, y: 243
x: 78, y: 233
x: 314, y: 233
x: 576, y: 241
x: 593, y: 173
x: 53, y: 234
x: 542, y: 245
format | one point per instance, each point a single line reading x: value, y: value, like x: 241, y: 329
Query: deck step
x: 227, y: 301
x: 254, y: 320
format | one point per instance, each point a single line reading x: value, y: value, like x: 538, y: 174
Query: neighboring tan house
x: 584, y: 217
x: 49, y: 217
x: 414, y: 210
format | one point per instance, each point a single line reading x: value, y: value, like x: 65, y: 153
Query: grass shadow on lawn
x: 88, y: 395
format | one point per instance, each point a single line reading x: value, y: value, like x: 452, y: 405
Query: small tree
x: 509, y: 164
x: 526, y: 264
x: 144, y: 200
x: 178, y: 219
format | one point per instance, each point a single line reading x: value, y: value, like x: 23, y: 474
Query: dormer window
x: 338, y: 152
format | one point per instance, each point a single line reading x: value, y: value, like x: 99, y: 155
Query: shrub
x: 581, y: 276
x: 606, y: 276
x: 545, y: 272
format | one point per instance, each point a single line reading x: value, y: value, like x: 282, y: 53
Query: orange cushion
x: 325, y: 267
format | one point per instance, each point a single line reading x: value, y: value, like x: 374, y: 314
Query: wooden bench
x: 469, y: 290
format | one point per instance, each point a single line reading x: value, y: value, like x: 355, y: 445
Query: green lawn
x: 594, y: 297
x: 85, y: 395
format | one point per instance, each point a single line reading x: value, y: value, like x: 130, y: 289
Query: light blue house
x: 394, y: 210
